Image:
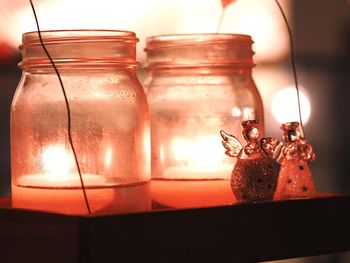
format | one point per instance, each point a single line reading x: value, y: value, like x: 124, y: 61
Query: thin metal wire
x: 292, y: 61
x: 68, y: 108
x: 222, y: 15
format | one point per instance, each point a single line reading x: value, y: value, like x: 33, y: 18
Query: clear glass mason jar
x: 110, y: 125
x: 198, y: 85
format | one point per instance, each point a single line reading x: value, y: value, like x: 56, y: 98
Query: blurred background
x: 321, y: 30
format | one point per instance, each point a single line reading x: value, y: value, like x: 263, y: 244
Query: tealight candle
x: 58, y: 189
x: 200, y: 178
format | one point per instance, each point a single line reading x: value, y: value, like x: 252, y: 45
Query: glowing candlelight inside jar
x: 200, y: 156
x: 200, y: 177
x: 108, y: 157
x: 58, y: 188
x: 56, y: 162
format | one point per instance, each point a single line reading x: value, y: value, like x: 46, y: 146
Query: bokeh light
x: 258, y: 18
x: 284, y: 106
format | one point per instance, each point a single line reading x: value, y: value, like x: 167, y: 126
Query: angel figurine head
x: 250, y: 130
x: 292, y: 132
x: 297, y: 147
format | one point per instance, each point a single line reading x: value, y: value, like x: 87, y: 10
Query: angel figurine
x: 295, y: 179
x: 253, y: 177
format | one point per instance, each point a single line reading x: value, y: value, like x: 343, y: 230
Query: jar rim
x: 174, y: 40
x: 80, y: 48
x: 77, y: 35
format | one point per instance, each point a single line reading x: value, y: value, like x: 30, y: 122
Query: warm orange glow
x: 202, y: 154
x: 16, y: 16
x: 58, y: 188
x: 192, y: 193
x: 227, y: 2
x: 263, y: 22
x: 284, y: 106
x: 59, y: 171
x: 71, y: 201
x: 191, y: 183
x: 255, y: 17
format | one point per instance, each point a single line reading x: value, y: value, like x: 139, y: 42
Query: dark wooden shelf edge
x: 237, y: 233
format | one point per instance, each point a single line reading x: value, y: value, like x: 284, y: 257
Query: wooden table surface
x: 236, y: 233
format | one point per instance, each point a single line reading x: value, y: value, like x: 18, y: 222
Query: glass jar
x: 198, y: 85
x: 109, y: 125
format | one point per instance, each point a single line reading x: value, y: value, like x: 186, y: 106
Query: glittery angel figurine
x: 295, y: 180
x: 253, y: 177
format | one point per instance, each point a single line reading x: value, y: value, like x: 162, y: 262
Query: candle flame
x: 108, y: 157
x: 56, y: 161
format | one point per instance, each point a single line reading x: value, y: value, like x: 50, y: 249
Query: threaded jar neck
x: 79, y: 49
x: 199, y: 50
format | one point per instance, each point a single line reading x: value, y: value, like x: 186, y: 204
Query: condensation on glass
x: 110, y: 125
x: 198, y: 85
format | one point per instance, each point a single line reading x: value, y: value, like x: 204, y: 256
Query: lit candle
x: 58, y: 166
x: 59, y: 189
x: 201, y: 177
x: 202, y: 158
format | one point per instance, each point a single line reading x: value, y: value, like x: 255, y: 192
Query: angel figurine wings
x: 295, y: 180
x: 253, y: 177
